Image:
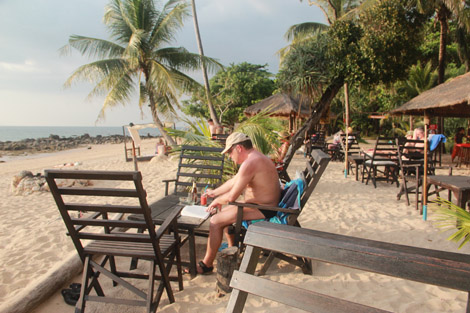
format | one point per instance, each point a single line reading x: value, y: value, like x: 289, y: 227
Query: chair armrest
x: 171, y: 220
x: 265, y: 207
x: 167, y: 182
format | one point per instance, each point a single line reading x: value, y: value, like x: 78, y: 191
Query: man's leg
x: 219, y: 221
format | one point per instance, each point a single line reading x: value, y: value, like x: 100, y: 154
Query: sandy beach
x: 35, y: 250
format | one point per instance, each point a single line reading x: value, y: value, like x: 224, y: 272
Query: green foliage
x: 345, y: 52
x: 420, y: 78
x: 448, y: 216
x: 306, y: 67
x: 390, y: 40
x: 260, y: 128
x: 233, y: 89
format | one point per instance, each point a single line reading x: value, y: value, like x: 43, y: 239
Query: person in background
x: 458, y: 139
x: 161, y: 147
x: 212, y: 128
x: 307, y: 144
x: 257, y: 180
x: 284, y: 146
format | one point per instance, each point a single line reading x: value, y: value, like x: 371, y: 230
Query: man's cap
x: 233, y: 139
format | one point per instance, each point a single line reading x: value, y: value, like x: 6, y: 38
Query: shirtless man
x: 257, y: 179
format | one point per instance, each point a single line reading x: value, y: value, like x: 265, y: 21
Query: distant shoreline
x: 54, y: 143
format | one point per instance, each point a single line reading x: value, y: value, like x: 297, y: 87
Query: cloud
x: 28, y: 66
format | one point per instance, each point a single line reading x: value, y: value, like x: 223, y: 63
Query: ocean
x: 16, y: 133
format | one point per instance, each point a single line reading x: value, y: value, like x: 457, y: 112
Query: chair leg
x: 267, y: 264
x: 80, y: 306
x: 149, y: 306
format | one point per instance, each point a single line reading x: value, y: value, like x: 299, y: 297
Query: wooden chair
x: 382, y: 160
x: 318, y: 141
x: 97, y: 234
x: 433, y: 267
x: 315, y: 166
x: 203, y: 164
x: 206, y: 166
x: 411, y: 161
x: 354, y: 156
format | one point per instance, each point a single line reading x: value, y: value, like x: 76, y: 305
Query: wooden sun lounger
x: 439, y: 268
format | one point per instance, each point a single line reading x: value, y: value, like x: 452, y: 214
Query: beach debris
x: 26, y: 183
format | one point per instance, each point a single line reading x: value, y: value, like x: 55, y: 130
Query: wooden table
x: 459, y: 185
x: 160, y: 209
x: 358, y: 160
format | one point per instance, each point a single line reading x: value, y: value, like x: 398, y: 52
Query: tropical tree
x: 234, y: 88
x: 377, y: 48
x: 444, y: 11
x: 139, y: 58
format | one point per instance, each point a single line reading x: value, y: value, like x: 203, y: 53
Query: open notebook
x: 198, y: 211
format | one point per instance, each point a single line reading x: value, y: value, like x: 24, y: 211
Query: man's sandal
x: 205, y: 268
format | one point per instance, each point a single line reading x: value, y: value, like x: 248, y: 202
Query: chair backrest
x: 384, y: 149
x: 205, y: 165
x: 314, y: 168
x: 353, y: 145
x: 318, y: 141
x: 88, y: 211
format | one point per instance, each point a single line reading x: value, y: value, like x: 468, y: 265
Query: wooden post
x: 346, y: 104
x: 227, y: 262
x: 425, y: 176
x: 134, y: 157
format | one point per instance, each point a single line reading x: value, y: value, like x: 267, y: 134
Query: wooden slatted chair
x: 411, y: 161
x: 205, y: 165
x: 97, y: 233
x: 315, y: 166
x: 382, y: 162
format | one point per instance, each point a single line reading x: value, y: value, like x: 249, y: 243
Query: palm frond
x: 300, y: 31
x: 449, y: 216
x: 92, y: 47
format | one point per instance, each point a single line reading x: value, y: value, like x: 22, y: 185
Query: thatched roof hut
x: 281, y: 105
x: 450, y: 99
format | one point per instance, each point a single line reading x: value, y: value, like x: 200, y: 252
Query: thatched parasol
x: 281, y: 105
x: 450, y: 99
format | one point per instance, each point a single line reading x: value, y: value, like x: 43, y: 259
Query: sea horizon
x: 17, y: 133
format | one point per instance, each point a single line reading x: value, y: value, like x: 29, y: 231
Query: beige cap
x: 233, y: 139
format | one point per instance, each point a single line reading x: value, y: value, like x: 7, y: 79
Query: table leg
x: 192, y: 253
x: 462, y: 199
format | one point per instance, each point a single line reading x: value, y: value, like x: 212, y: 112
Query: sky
x: 32, y: 71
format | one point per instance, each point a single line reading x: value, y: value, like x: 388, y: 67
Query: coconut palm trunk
x: 212, y: 112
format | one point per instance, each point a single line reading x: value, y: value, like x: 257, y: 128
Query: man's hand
x: 210, y: 193
x: 214, y: 207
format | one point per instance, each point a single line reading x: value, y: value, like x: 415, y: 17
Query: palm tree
x: 212, y: 112
x: 444, y: 10
x: 139, y: 58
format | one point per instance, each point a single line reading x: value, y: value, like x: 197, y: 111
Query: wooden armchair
x: 315, y: 166
x: 98, y: 234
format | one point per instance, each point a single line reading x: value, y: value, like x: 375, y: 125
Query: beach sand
x: 38, y: 258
